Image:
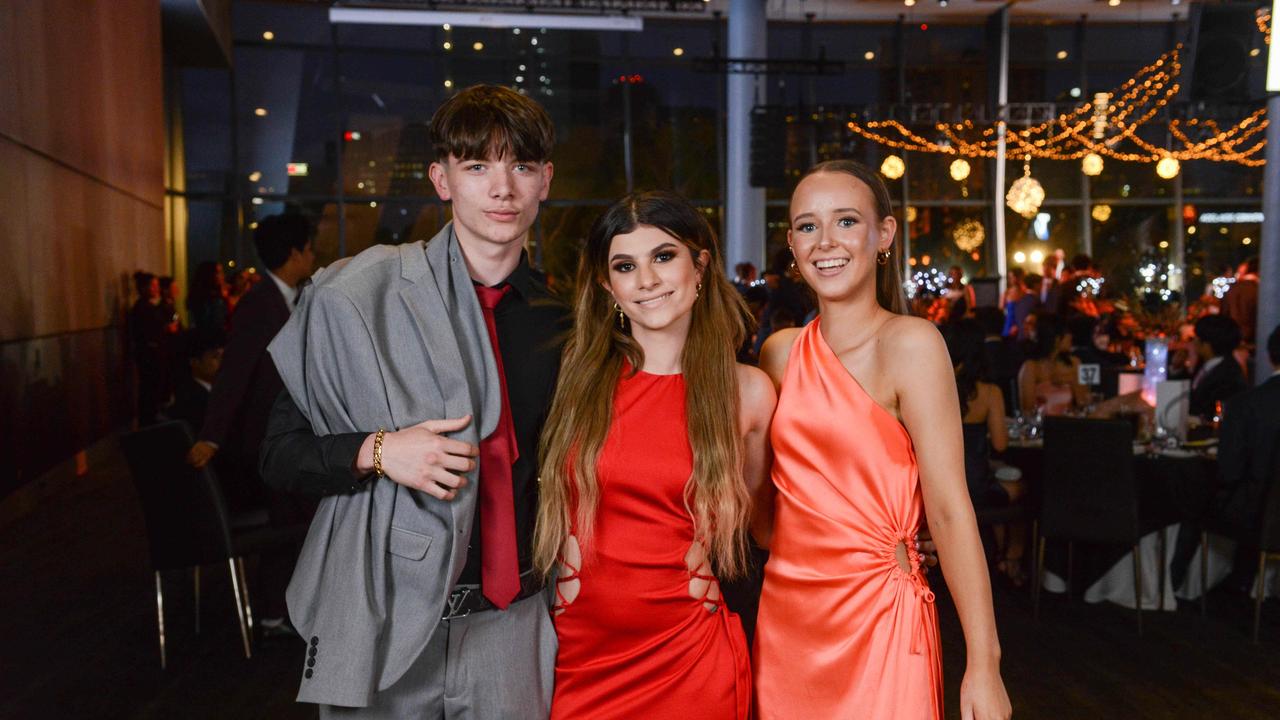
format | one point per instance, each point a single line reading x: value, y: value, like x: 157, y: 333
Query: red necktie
x: 499, y: 567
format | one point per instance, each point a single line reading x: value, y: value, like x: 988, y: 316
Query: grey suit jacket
x: 389, y: 338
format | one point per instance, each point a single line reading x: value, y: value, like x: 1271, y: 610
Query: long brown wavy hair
x: 582, y: 411
x: 890, y: 275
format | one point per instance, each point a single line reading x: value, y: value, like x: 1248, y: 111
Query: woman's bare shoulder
x: 776, y: 351
x: 756, y: 394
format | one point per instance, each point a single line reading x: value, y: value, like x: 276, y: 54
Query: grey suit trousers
x: 493, y: 665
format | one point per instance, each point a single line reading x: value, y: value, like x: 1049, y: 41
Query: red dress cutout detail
x: 635, y: 642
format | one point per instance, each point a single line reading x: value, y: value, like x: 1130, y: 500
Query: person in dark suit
x: 247, y: 383
x: 245, y: 389
x: 1248, y: 463
x: 147, y: 341
x: 1249, y: 451
x: 1219, y: 377
x: 202, y: 351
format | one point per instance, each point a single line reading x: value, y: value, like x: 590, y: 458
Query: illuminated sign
x: 1230, y: 218
x: 297, y: 169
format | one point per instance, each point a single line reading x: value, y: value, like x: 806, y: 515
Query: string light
x: 931, y: 282
x: 1107, y: 127
x: 893, y: 167
x: 969, y: 235
x: 1220, y: 286
x: 959, y: 169
x: 1026, y: 193
x: 1090, y: 285
x: 1101, y: 213
x: 1091, y: 165
x: 1167, y: 168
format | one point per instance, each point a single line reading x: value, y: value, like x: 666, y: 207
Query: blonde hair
x: 582, y: 410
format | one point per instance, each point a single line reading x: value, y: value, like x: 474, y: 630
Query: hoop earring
x: 622, y: 318
x: 882, y: 258
x: 697, y: 291
x: 793, y: 256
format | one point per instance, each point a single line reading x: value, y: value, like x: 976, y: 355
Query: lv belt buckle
x: 457, y: 599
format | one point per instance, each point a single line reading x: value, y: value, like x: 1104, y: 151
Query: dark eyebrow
x: 655, y: 251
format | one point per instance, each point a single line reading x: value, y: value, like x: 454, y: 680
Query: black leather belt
x: 467, y: 599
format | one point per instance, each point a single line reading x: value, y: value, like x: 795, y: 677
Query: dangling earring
x: 622, y: 318
x: 882, y: 257
x: 697, y: 292
x: 793, y: 257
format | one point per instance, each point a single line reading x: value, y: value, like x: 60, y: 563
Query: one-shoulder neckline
x: 832, y: 356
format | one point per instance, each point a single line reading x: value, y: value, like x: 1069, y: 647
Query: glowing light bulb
x: 893, y: 167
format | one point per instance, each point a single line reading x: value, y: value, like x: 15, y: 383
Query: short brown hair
x: 486, y: 121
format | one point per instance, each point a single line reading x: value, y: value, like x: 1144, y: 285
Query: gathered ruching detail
x: 919, y: 587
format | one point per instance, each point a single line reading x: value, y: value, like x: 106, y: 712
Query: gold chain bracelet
x: 377, y: 451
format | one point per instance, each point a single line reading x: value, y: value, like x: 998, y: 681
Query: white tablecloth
x: 1116, y: 585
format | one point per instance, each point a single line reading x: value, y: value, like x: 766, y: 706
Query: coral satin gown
x: 647, y: 634
x: 847, y: 626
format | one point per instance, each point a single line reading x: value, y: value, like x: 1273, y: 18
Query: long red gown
x: 844, y: 629
x: 635, y: 643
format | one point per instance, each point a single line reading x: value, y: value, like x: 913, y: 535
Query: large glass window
x: 333, y: 121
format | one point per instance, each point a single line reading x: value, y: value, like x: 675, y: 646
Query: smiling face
x: 835, y: 234
x: 654, y: 278
x: 495, y: 201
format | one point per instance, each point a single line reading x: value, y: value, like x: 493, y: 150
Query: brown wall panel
x: 90, y: 90
x: 9, y: 109
x: 81, y: 198
x: 16, y: 319
x: 59, y: 394
x: 85, y: 240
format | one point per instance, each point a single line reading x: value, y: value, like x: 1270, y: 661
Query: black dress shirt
x: 531, y: 327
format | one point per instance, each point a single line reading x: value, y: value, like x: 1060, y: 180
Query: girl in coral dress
x: 866, y: 439
x: 643, y: 501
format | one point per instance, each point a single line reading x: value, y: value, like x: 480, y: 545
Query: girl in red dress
x: 654, y: 447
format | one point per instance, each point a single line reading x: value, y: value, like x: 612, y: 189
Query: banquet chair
x: 1089, y: 493
x: 1268, y: 547
x: 188, y: 524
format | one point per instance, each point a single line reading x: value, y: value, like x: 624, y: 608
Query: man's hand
x: 201, y: 453
x: 420, y: 457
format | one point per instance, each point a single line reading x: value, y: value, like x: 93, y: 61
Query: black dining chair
x: 188, y: 524
x: 1268, y: 546
x: 1089, y: 493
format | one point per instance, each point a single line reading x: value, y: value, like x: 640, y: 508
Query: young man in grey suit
x: 417, y: 381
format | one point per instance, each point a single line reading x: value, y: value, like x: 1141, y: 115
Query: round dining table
x: 1175, y: 486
